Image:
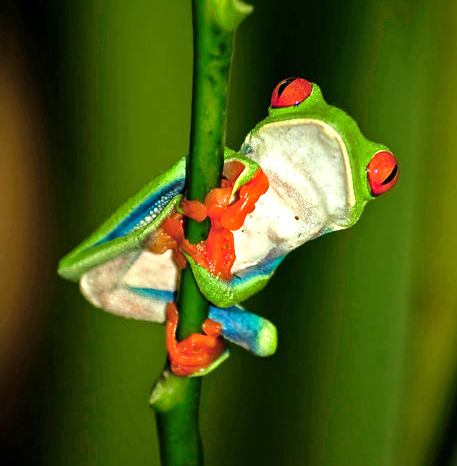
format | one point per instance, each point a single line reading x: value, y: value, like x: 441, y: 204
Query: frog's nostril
x: 290, y: 92
x: 382, y: 172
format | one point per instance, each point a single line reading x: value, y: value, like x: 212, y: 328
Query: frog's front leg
x: 213, y: 258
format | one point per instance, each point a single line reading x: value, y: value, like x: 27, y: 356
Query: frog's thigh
x: 135, y: 285
x: 154, y: 271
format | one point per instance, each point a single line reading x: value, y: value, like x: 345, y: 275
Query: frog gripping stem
x: 317, y: 174
x: 196, y: 352
x: 235, y: 214
x: 217, y: 253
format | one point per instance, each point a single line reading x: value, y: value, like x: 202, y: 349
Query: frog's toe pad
x: 246, y: 329
x: 267, y: 340
x: 200, y: 373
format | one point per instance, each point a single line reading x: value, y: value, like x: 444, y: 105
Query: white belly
x: 310, y: 189
x: 310, y: 192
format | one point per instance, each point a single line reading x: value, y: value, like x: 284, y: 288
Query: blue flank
x: 156, y: 201
x: 158, y: 295
x: 264, y: 268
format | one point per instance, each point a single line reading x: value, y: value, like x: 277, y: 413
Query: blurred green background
x: 94, y: 100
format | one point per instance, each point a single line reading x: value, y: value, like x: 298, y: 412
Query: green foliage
x: 179, y: 435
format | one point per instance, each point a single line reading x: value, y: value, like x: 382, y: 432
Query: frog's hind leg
x: 248, y: 330
x: 137, y: 285
x: 140, y: 284
x: 239, y: 326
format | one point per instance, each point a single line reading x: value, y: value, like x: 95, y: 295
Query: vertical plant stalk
x: 176, y: 400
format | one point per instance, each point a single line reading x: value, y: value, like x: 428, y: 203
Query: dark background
x: 95, y: 100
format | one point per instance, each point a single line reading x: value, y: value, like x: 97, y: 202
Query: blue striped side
x: 264, y: 268
x: 150, y: 207
x: 158, y: 295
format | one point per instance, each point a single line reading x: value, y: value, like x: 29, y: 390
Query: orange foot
x: 197, y: 351
x: 217, y: 253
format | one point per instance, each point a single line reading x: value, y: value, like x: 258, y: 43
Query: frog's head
x: 367, y: 169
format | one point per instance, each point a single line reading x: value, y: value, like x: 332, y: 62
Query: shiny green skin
x: 90, y: 253
x: 222, y: 293
x: 360, y: 149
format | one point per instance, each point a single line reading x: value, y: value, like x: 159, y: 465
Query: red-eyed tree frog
x: 304, y: 171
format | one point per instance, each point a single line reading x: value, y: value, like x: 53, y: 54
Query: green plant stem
x: 177, y: 402
x: 179, y: 435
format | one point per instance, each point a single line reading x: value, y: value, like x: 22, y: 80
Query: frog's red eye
x: 382, y: 172
x: 291, y: 91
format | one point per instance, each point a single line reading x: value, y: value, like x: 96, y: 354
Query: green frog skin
x: 321, y: 172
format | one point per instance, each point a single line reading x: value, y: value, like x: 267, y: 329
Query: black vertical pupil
x: 283, y: 85
x: 391, y: 176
